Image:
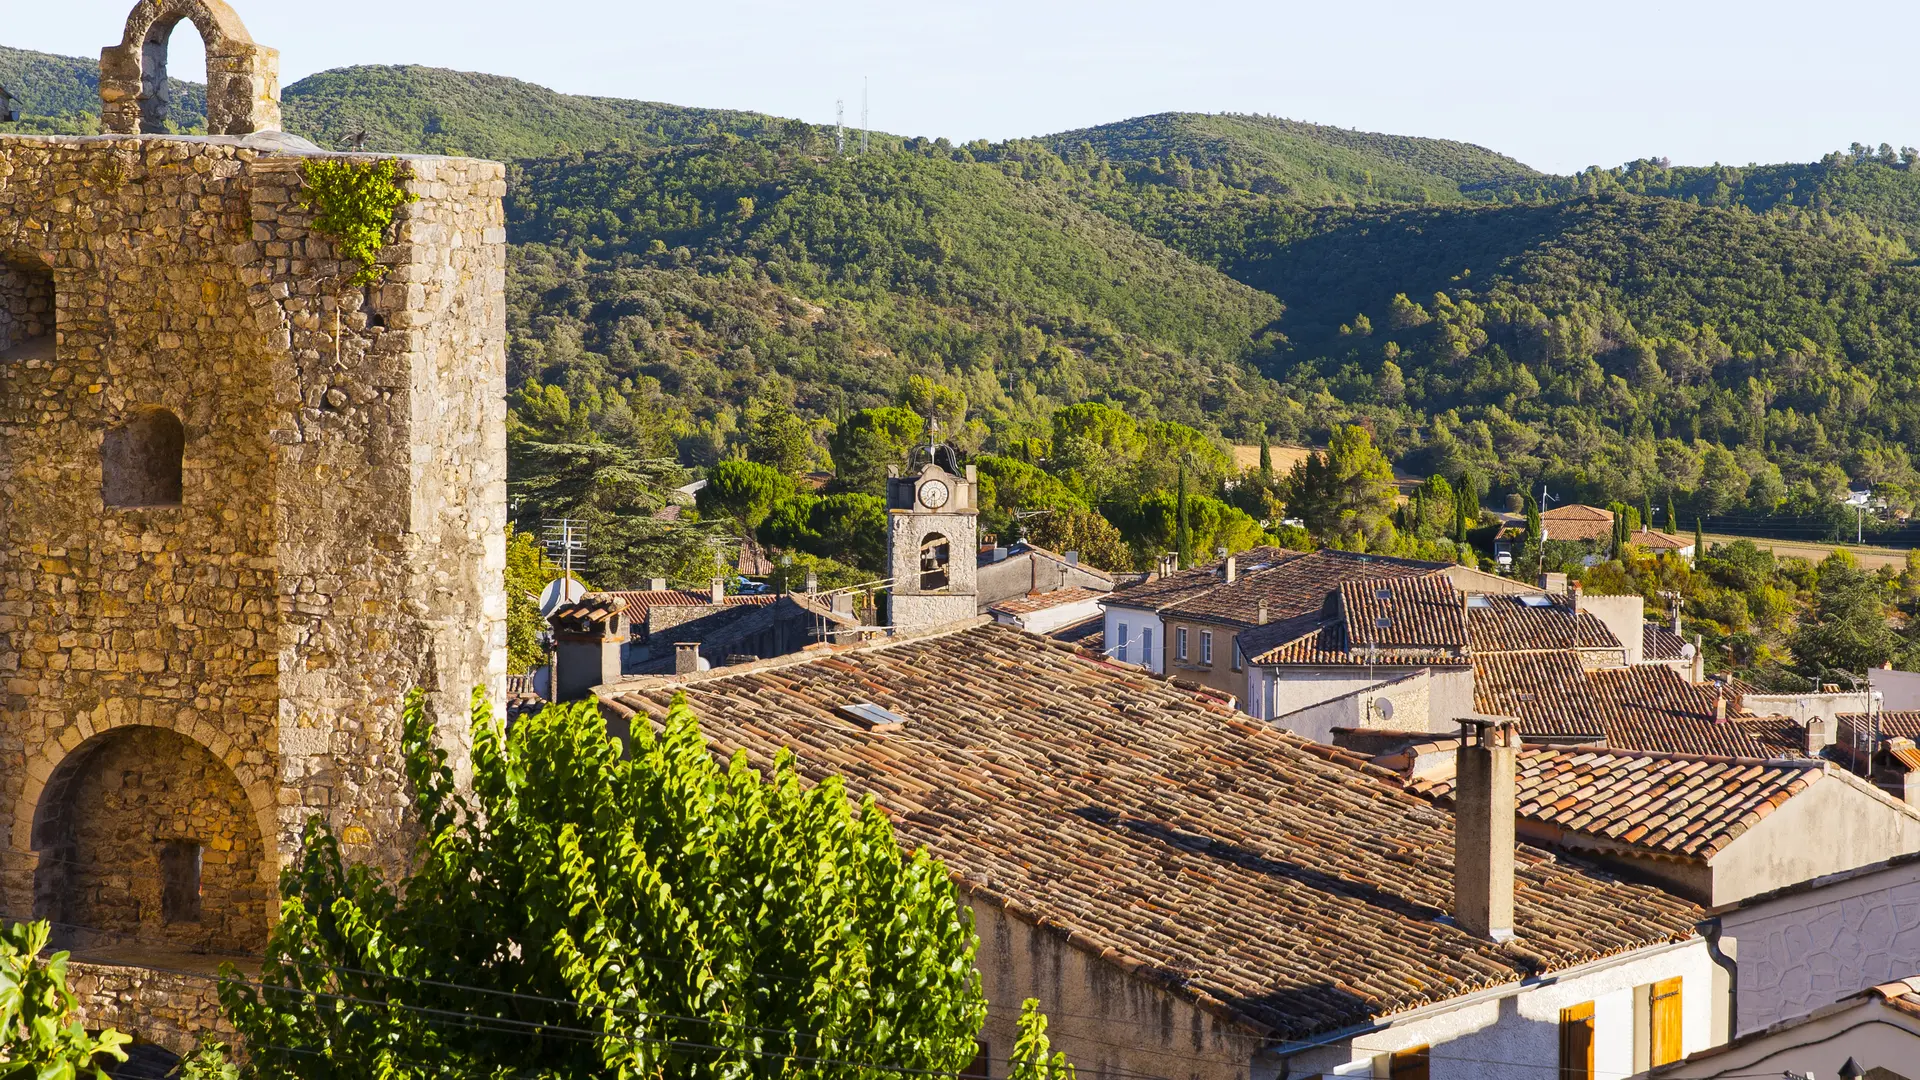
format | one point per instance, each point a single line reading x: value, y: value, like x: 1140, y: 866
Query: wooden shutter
x: 1409, y: 1064
x: 1576, y: 1042
x: 981, y: 1068
x: 1663, y: 1040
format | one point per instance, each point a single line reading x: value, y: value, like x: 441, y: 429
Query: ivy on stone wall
x: 354, y: 203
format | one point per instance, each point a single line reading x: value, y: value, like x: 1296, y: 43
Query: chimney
x: 686, y: 657
x: 719, y: 594
x: 1553, y: 583
x: 658, y: 584
x: 1699, y: 661
x: 1907, y: 782
x: 813, y: 581
x: 1167, y: 562
x: 1073, y: 558
x: 1573, y: 596
x: 999, y: 554
x: 1230, y: 570
x: 1260, y: 619
x: 1821, y: 733
x: 1676, y: 619
x: 1483, y: 813
x: 1720, y: 703
x: 589, y: 637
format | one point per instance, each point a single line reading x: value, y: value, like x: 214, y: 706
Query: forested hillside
x: 60, y: 95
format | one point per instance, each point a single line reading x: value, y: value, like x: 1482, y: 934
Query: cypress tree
x: 1673, y: 516
x: 1182, y: 538
x: 1699, y: 547
x: 1266, y: 460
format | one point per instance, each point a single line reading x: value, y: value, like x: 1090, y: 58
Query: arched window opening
x: 26, y: 309
x: 935, y: 560
x: 146, y: 840
x: 171, y: 43
x: 140, y: 460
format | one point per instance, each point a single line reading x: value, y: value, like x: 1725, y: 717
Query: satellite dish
x: 562, y: 590
x: 1686, y: 651
x: 1383, y: 707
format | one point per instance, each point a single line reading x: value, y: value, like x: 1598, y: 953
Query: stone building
x: 249, y: 506
x: 933, y: 537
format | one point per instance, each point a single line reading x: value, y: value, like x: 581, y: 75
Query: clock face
x: 933, y: 494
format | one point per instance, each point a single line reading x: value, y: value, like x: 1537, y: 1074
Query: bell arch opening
x: 171, y: 42
x: 27, y: 308
x: 146, y: 842
x: 243, y: 78
x: 936, y: 559
x: 143, y: 460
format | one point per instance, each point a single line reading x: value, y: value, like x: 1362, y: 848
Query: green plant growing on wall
x: 39, y: 1036
x: 354, y: 204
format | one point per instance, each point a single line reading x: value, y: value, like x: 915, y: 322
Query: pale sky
x: 1558, y: 85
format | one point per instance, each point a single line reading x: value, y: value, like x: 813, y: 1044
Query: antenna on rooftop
x: 863, y: 114
x: 840, y: 126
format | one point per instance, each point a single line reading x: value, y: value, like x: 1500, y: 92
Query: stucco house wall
x: 1409, y: 694
x: 1109, y: 1024
x: 1865, y: 1031
x: 1130, y: 646
x: 1835, y: 825
x: 1515, y: 1034
x: 1812, y: 946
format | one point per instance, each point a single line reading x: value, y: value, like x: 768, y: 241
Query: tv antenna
x: 863, y: 114
x: 840, y: 127
x: 564, y: 536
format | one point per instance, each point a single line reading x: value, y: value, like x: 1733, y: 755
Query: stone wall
x: 167, y: 1008
x: 26, y: 304
x: 338, y: 538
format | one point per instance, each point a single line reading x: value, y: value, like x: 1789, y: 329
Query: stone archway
x: 145, y: 841
x: 243, y: 78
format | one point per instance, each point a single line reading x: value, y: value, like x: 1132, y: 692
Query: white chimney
x: 1230, y: 569
x: 1261, y: 617
x: 658, y: 584
x: 1073, y: 558
x: 719, y: 594
x: 1483, y: 813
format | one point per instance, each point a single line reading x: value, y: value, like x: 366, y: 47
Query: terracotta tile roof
x: 1577, y: 512
x: 638, y: 602
x: 1653, y: 540
x: 1644, y: 707
x: 1088, y: 635
x: 1680, y: 804
x: 1290, y: 588
x: 1316, y: 642
x: 1022, y: 605
x: 1413, y: 612
x: 1289, y: 888
x: 1159, y: 592
x: 1893, y: 723
x: 1506, y: 624
x: 1902, y: 994
x: 590, y: 609
x: 1658, y: 642
x: 1577, y: 521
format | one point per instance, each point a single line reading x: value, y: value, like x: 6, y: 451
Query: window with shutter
x: 1206, y: 647
x: 1663, y: 1035
x: 1180, y: 643
x: 1410, y: 1064
x: 1576, y: 1042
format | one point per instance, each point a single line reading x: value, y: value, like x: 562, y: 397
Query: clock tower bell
x: 933, y: 544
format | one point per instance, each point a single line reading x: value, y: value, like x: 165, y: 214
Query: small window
x: 1146, y: 648
x: 1206, y: 647
x: 1120, y: 650
x: 1180, y: 643
x: 1239, y: 659
x: 1576, y: 1042
x: 180, y: 881
x: 26, y: 310
x: 141, y: 460
x: 1410, y: 1064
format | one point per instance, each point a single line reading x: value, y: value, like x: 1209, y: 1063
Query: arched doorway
x: 147, y: 843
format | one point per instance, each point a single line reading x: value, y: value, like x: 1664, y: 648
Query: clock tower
x: 933, y: 544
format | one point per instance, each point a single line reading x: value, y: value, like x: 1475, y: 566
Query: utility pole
x: 863, y: 114
x: 840, y: 127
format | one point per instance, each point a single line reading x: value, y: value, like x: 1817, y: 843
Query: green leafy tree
x: 743, y: 492
x: 1182, y: 533
x: 528, y: 572
x: 1083, y: 531
x: 777, y: 437
x: 1151, y: 524
x: 618, y: 497
x: 1346, y: 495
x: 40, y: 1039
x: 849, y: 528
x: 1033, y: 1056
x: 868, y: 442
x: 1848, y: 629
x: 636, y: 912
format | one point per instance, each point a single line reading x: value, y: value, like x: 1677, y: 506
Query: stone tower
x: 248, y: 506
x: 933, y: 545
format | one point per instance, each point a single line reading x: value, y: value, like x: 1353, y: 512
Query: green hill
x: 1307, y: 162
x: 61, y: 94
x: 843, y: 275
x: 436, y: 111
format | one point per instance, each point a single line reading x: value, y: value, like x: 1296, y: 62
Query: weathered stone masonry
x: 182, y: 685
